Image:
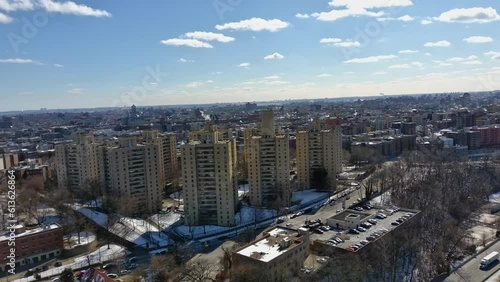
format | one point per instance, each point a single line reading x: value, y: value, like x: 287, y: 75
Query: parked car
x: 325, y: 228
x: 112, y: 275
x: 370, y: 238
x: 56, y: 279
x: 354, y: 231
x: 361, y: 229
x: 109, y: 265
x: 132, y: 259
x: 133, y: 265
x: 364, y: 242
x: 57, y: 264
x: 318, y: 231
x: 395, y: 223
x: 372, y: 221
x: 124, y: 272
x: 280, y: 220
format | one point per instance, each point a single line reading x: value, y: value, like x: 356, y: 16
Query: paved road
x: 470, y: 271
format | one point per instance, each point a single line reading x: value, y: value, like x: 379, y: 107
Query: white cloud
x: 182, y: 60
x: 337, y: 42
x: 370, y: 4
x: 274, y: 77
x: 349, y: 73
x: 408, y: 51
x: 209, y: 36
x: 5, y: 19
x: 10, y: 6
x: 478, y: 39
x: 405, y: 18
x: 476, y: 62
x: 276, y: 82
x: 71, y: 8
x: 442, y: 43
x: 426, y: 21
x: 417, y: 64
x: 470, y: 15
x: 379, y: 73
x: 274, y: 56
x: 339, y: 14
x: 75, y: 90
x: 302, y: 16
x: 194, y: 43
x: 330, y: 40
x: 372, y: 59
x: 58, y: 65
x: 18, y: 61
x: 428, y: 54
x: 493, y: 55
x: 402, y: 66
x: 255, y: 24
x: 349, y: 8
x: 197, y: 84
x: 244, y: 65
x: 462, y: 59
x: 324, y: 75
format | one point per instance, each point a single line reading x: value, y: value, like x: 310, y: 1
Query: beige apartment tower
x: 319, y: 152
x: 268, y: 161
x: 209, y: 177
x: 125, y: 168
x: 135, y: 170
x: 168, y: 156
x: 79, y: 163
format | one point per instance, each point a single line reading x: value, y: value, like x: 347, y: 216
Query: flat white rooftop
x: 28, y: 232
x: 269, y: 248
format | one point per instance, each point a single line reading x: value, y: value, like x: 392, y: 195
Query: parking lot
x: 382, y: 226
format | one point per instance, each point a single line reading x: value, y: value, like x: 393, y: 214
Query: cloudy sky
x: 62, y: 54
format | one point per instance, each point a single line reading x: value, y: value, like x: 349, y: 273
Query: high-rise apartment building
x: 268, y: 161
x: 168, y: 147
x: 209, y: 177
x: 124, y: 168
x: 136, y: 170
x: 79, y: 163
x: 319, y: 155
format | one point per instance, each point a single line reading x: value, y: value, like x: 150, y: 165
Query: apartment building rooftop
x: 277, y: 242
x: 28, y: 231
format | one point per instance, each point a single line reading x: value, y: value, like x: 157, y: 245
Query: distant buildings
x: 209, y: 177
x: 268, y: 161
x: 319, y: 154
x: 32, y: 244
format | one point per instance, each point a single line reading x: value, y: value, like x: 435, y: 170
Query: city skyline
x: 61, y: 54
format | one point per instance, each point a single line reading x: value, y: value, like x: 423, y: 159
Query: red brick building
x: 32, y: 244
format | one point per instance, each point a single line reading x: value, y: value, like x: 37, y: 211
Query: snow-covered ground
x: 165, y: 221
x: 307, y: 196
x: 382, y: 200
x: 242, y: 190
x: 247, y: 215
x: 495, y: 198
x: 101, y: 255
x: 137, y: 231
x: 85, y: 238
x: 480, y: 233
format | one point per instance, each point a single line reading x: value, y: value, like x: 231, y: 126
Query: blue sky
x: 61, y: 54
